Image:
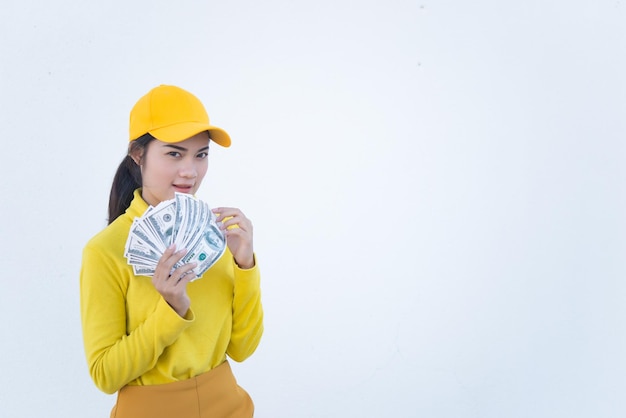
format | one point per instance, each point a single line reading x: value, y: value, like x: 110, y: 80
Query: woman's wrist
x: 247, y: 264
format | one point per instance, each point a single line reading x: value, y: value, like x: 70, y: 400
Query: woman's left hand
x: 238, y: 231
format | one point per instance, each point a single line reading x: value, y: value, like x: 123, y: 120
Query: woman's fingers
x: 185, y: 272
x: 165, y: 265
x: 172, y: 285
x: 238, y: 231
x: 170, y: 257
x: 231, y: 218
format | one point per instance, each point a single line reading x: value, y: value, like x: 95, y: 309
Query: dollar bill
x: 161, y: 221
x: 184, y: 221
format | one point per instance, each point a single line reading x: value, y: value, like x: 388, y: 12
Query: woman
x: 161, y: 342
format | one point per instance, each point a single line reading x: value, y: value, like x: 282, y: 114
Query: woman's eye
x: 203, y: 155
x: 174, y: 153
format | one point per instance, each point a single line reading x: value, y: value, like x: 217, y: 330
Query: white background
x: 437, y: 189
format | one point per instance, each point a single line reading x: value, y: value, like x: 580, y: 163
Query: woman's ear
x: 136, y: 154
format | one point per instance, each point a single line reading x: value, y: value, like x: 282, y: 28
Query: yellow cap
x: 171, y: 114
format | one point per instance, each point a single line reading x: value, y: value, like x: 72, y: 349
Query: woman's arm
x: 114, y: 355
x: 247, y: 314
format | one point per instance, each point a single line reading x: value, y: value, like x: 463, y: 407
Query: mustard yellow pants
x: 214, y: 394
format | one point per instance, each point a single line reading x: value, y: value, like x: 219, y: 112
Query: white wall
x: 436, y: 186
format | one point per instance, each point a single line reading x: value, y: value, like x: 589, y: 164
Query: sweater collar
x: 138, y: 206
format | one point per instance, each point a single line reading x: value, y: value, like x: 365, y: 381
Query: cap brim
x: 183, y: 131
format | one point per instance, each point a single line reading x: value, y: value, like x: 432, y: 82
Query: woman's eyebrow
x: 179, y: 148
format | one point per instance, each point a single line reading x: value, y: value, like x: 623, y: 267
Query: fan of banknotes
x: 185, y: 221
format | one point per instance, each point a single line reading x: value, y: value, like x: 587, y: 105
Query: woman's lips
x: 182, y: 188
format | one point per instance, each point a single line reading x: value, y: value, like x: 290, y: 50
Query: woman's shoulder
x: 103, y: 261
x: 112, y: 237
x: 115, y: 234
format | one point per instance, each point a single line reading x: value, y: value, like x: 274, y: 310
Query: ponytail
x: 127, y: 179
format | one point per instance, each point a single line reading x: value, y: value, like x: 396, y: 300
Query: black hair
x: 127, y: 179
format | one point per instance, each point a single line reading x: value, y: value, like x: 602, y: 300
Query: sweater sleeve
x: 247, y: 313
x: 114, y: 355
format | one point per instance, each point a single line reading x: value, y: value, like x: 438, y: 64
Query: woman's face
x: 169, y: 168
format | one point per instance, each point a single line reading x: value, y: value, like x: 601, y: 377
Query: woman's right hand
x: 173, y: 287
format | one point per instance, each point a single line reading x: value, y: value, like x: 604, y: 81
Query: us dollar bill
x: 185, y: 221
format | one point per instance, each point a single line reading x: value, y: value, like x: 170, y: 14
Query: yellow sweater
x: 133, y: 337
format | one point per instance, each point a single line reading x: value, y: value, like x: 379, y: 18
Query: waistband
x: 214, y: 393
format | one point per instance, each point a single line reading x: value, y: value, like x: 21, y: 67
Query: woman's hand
x: 173, y: 287
x: 238, y: 231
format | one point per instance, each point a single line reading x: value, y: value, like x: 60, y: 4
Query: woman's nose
x: 188, y: 169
